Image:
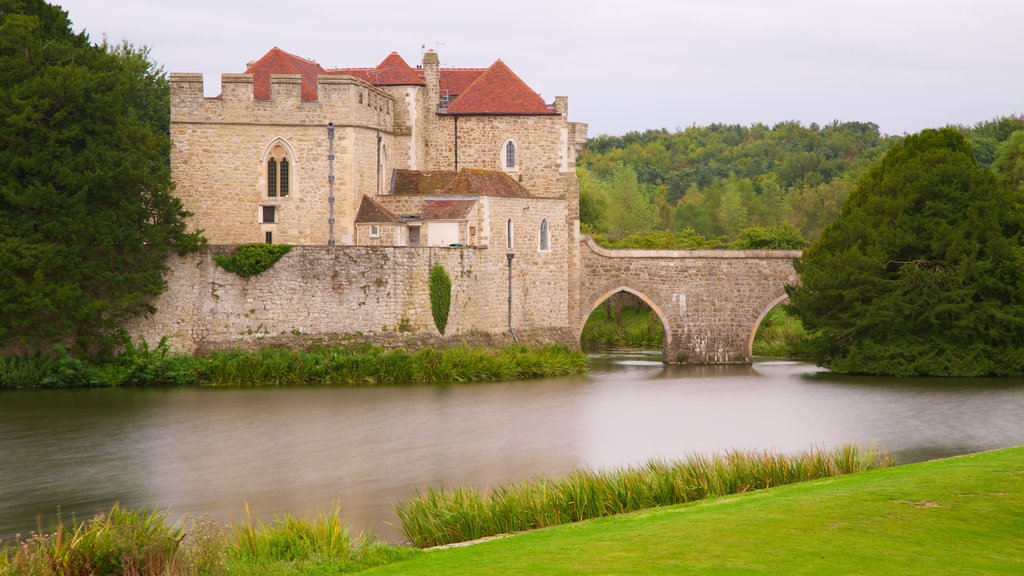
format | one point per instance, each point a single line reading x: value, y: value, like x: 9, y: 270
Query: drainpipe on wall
x: 457, y: 148
x: 379, y: 138
x: 510, y: 256
x: 330, y: 183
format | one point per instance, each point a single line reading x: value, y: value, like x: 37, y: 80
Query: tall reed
x: 145, y: 543
x: 438, y: 517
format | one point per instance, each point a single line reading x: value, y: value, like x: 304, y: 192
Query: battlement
x: 336, y: 98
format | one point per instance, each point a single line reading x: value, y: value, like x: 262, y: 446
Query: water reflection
x: 283, y: 450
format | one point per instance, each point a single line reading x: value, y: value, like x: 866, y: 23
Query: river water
x: 209, y: 451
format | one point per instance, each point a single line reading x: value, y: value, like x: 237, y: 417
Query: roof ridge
x: 499, y: 90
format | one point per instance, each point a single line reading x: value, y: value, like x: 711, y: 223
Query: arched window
x: 509, y: 155
x: 508, y: 234
x: 278, y: 178
x: 545, y: 236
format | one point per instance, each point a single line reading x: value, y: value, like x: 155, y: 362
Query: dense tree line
x: 717, y: 181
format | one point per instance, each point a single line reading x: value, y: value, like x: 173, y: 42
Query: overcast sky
x: 633, y: 64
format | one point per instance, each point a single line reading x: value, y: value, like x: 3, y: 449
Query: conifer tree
x: 86, y: 215
x: 923, y: 271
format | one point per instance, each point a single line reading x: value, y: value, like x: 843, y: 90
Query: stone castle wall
x: 318, y: 293
x: 220, y: 145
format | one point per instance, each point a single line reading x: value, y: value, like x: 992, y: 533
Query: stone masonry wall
x: 326, y: 293
x: 710, y: 301
x: 219, y: 149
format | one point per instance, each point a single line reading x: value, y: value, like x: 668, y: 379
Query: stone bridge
x: 710, y: 302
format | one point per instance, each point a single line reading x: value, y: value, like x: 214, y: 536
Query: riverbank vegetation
x: 363, y: 365
x: 146, y: 543
x: 439, y: 517
x: 955, y: 516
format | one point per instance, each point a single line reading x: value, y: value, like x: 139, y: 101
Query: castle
x: 375, y: 176
x: 291, y: 152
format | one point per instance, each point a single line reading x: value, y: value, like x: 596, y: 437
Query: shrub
x: 440, y: 296
x: 252, y: 259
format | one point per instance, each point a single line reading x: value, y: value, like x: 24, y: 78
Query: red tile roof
x: 465, y: 182
x: 499, y: 91
x: 372, y: 212
x: 454, y: 81
x: 278, y: 61
x: 494, y: 90
x: 447, y: 209
x: 392, y: 71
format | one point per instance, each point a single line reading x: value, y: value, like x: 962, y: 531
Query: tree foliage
x: 721, y: 179
x: 440, y: 296
x: 86, y: 215
x: 923, y: 271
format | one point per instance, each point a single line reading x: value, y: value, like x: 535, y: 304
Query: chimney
x: 432, y: 77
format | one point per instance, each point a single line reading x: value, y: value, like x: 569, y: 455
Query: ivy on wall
x: 252, y: 259
x: 440, y: 296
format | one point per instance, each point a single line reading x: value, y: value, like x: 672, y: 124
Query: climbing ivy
x: 252, y: 259
x: 440, y: 296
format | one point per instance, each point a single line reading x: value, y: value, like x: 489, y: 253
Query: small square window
x: 270, y: 237
x: 374, y: 231
x: 269, y: 214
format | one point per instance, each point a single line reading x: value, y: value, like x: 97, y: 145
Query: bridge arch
x: 760, y: 318
x: 643, y: 298
x: 710, y: 302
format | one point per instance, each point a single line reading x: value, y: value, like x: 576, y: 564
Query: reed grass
x: 324, y: 366
x: 145, y: 543
x: 436, y: 517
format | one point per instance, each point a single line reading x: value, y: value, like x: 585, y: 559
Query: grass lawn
x: 958, y: 516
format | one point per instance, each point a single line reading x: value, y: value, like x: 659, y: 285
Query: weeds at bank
x: 146, y: 543
x: 439, y: 517
x: 325, y: 366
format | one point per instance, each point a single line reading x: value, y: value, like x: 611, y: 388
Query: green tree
x: 86, y: 215
x: 1010, y: 160
x: 629, y: 210
x: 922, y: 272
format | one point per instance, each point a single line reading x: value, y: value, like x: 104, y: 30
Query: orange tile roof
x: 372, y: 212
x: 494, y: 90
x: 278, y: 61
x: 499, y: 91
x: 465, y: 182
x: 392, y: 71
x: 454, y: 81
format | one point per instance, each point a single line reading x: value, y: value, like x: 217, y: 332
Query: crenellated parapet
x: 343, y: 100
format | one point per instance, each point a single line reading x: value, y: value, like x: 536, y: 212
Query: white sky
x: 633, y: 64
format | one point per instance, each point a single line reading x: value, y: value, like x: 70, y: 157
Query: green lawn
x: 959, y: 516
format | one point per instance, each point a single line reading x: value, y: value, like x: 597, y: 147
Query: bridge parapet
x: 709, y: 301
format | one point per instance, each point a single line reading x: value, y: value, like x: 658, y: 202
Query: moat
x: 300, y: 450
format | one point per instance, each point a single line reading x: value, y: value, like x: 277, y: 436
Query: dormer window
x: 278, y: 179
x: 510, y: 156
